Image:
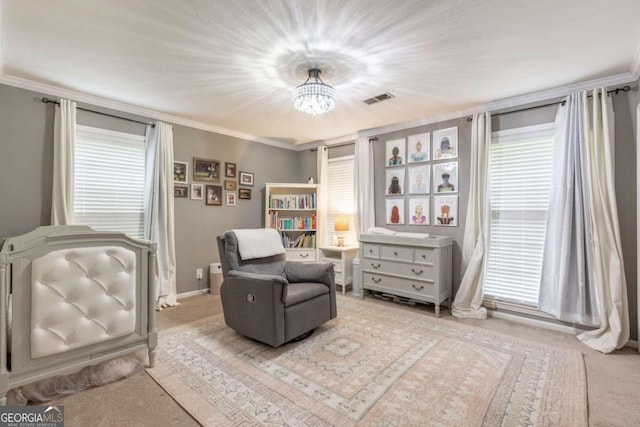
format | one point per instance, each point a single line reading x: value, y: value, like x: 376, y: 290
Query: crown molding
x: 516, y: 101
x: 132, y: 109
x: 635, y: 64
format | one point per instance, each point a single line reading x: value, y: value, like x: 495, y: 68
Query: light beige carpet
x: 371, y: 366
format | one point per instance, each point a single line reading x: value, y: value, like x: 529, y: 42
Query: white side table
x: 341, y: 257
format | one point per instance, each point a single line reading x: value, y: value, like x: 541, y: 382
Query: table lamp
x: 341, y: 225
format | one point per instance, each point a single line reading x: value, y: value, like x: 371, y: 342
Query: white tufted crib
x: 72, y: 297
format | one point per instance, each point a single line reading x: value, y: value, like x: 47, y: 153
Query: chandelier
x: 314, y: 96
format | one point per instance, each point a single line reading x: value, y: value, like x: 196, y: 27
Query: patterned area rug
x: 377, y: 364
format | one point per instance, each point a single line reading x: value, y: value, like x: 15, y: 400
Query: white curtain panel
x: 64, y: 140
x: 567, y: 288
x: 159, y: 215
x: 468, y: 300
x: 322, y: 161
x: 608, y: 267
x: 364, y: 185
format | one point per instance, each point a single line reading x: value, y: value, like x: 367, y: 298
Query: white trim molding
x: 192, y: 293
x: 516, y: 101
x: 132, y: 109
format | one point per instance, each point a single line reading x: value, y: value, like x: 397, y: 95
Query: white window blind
x: 519, y: 185
x: 340, y: 196
x: 109, y: 181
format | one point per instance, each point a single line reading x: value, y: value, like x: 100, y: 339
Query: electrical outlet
x: 199, y: 273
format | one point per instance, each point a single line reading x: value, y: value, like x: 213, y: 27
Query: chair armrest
x: 266, y: 277
x: 297, y: 272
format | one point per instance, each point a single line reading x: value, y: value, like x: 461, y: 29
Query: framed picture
x: 197, y: 191
x: 445, y: 143
x: 244, y: 193
x: 394, y: 211
x: 246, y: 178
x: 180, y: 172
x: 229, y: 185
x: 394, y: 182
x: 445, y: 210
x: 445, y: 177
x: 395, y: 151
x: 181, y: 191
x: 206, y: 170
x: 419, y: 179
x: 418, y: 211
x: 419, y: 148
x: 231, y: 198
x: 214, y: 195
x: 229, y: 170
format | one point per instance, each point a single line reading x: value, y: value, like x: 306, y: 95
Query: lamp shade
x: 341, y: 223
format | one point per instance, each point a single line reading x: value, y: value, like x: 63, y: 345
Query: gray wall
x: 26, y: 153
x: 307, y: 165
x: 197, y: 224
x: 625, y: 175
x: 457, y: 233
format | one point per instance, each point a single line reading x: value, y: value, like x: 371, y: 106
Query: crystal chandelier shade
x: 314, y: 96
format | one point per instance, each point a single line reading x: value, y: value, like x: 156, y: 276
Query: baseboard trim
x: 193, y: 293
x: 546, y: 325
x: 534, y: 322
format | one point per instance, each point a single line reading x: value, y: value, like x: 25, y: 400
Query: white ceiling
x: 234, y: 64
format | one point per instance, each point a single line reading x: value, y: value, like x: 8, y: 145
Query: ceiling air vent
x: 378, y: 98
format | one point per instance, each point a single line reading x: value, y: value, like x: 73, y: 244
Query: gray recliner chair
x: 272, y: 300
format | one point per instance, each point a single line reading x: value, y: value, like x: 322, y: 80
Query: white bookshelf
x: 292, y: 210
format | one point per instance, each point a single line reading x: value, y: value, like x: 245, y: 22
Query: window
x: 519, y: 187
x: 109, y: 181
x: 340, y: 196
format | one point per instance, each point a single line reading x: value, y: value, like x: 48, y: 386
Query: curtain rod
x: 328, y: 147
x: 51, y: 101
x: 612, y: 91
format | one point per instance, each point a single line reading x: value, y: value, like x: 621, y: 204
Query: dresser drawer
x: 411, y: 271
x: 425, y: 256
x: 304, y: 255
x: 396, y: 253
x: 399, y: 286
x: 370, y: 251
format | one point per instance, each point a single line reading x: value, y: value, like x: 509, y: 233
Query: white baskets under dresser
x: 417, y: 268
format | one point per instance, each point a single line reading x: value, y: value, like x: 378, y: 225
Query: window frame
x: 545, y: 130
x: 100, y: 135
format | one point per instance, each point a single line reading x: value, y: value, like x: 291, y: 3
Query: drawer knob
x: 417, y: 272
x: 376, y: 280
x: 395, y: 253
x: 417, y: 288
x: 424, y: 256
x: 370, y: 251
x: 304, y: 255
x: 375, y: 265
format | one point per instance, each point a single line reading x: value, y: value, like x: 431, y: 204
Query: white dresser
x: 409, y: 267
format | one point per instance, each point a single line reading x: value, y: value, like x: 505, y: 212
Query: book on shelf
x: 292, y: 223
x: 292, y: 201
x: 303, y: 241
